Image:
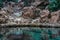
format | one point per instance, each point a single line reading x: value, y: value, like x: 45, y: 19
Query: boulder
x: 31, y: 12
x: 55, y: 17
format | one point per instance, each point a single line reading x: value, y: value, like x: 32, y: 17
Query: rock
x: 36, y: 20
x: 22, y: 20
x: 18, y: 14
x: 28, y: 14
x: 3, y: 20
x: 31, y: 12
x: 11, y: 19
x: 44, y: 13
x: 44, y: 20
x: 44, y: 16
x: 3, y: 17
x: 36, y: 3
x: 55, y: 17
x: 43, y: 4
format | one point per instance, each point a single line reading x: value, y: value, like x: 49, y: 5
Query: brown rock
x: 29, y: 13
x: 3, y: 17
x: 55, y: 17
x: 44, y: 15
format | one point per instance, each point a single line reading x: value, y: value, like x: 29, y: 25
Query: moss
x: 54, y: 5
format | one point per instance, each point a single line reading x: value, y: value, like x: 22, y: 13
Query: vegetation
x: 54, y: 5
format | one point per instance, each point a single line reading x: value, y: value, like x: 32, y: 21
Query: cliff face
x: 30, y: 11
